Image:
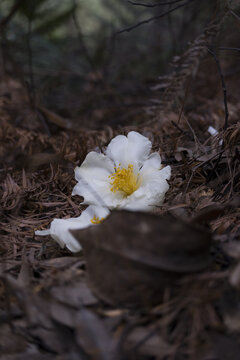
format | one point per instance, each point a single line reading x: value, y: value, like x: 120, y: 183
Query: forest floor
x: 47, y: 309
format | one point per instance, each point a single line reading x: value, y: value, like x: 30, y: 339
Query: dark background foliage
x: 73, y: 59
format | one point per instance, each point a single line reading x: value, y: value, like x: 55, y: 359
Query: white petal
x: 97, y: 193
x: 133, y: 149
x: 139, y: 146
x: 139, y: 203
x: 93, y: 180
x: 59, y: 232
x: 117, y: 150
x: 152, y: 163
x: 94, y: 163
x: 166, y: 172
x: 98, y: 211
x: 151, y: 193
x: 59, y: 229
x: 91, y: 211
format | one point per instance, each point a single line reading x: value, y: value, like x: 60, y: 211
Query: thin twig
x: 229, y: 48
x: 154, y: 5
x: 235, y: 14
x: 3, y: 58
x: 12, y: 12
x: 80, y: 36
x: 172, y: 33
x: 44, y: 122
x: 184, y: 100
x: 223, y: 87
x: 31, y: 88
x: 153, y: 18
x: 178, y: 128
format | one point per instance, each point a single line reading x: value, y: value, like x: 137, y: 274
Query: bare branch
x: 31, y: 85
x: 229, y: 48
x: 223, y: 87
x: 153, y: 18
x: 80, y: 35
x: 235, y: 14
x: 154, y: 5
x: 12, y: 12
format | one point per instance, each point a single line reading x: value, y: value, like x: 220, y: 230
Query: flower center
x: 124, y: 180
x: 96, y: 220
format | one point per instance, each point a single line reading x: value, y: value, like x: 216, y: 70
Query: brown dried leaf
x: 10, y: 342
x: 24, y: 277
x: 90, y: 332
x: 36, y: 161
x: 133, y: 256
x: 148, y: 342
x: 209, y: 213
x: 74, y: 295
x: 55, y: 119
x: 60, y: 262
x: 93, y: 337
x: 62, y: 314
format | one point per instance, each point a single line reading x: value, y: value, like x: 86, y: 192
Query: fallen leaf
x: 74, y: 295
x: 25, y: 274
x: 60, y: 262
x: 133, y: 256
x: 147, y: 342
x: 93, y: 337
x: 55, y: 119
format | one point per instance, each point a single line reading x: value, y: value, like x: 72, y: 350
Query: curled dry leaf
x: 77, y: 293
x: 36, y: 161
x: 55, y: 119
x: 133, y: 256
x: 145, y: 341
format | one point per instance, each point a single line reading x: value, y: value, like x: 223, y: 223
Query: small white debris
x: 212, y: 131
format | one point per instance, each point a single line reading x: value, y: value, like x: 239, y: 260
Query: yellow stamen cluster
x: 95, y: 220
x: 124, y: 180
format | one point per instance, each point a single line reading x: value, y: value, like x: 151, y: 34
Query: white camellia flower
x: 59, y: 229
x: 127, y: 176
